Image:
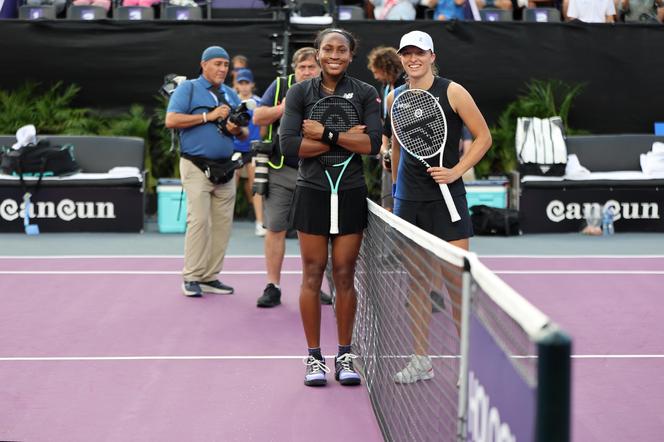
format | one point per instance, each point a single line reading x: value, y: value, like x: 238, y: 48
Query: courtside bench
x: 107, y: 196
x: 558, y: 204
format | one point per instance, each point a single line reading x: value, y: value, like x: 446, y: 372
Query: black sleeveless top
x: 413, y: 181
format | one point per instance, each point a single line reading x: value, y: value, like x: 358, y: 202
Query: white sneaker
x: 260, y: 230
x: 419, y: 368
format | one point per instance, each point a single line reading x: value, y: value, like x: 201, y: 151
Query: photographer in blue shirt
x: 200, y: 110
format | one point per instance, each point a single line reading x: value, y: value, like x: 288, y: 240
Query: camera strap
x: 220, y: 96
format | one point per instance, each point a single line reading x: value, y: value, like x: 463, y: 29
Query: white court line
x: 578, y: 272
x: 299, y: 272
x: 572, y: 256
x: 298, y: 256
x: 253, y: 358
x: 134, y: 272
x: 122, y: 256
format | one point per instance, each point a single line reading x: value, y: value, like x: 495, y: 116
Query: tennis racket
x: 335, y: 113
x: 419, y: 125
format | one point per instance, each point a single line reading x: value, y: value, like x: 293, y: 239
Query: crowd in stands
x: 590, y: 11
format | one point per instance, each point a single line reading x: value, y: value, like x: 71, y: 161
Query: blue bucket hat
x: 214, y: 52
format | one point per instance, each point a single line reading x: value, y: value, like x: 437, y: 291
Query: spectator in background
x: 634, y: 11
x: 589, y: 11
x: 447, y: 9
x: 195, y: 108
x: 144, y: 3
x: 385, y: 65
x: 498, y: 4
x: 394, y: 9
x: 238, y: 62
x: 244, y: 86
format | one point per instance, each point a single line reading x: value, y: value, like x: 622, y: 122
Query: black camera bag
x: 41, y: 159
x: 217, y: 171
x: 494, y: 221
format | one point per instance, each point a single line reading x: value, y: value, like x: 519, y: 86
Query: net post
x: 554, y: 348
x: 464, y: 350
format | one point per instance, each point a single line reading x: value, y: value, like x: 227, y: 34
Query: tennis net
x: 449, y: 351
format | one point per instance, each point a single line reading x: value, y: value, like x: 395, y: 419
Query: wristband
x: 394, y: 190
x: 204, y: 117
x: 330, y: 136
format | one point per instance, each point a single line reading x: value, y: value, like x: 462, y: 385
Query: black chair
x: 495, y: 14
x: 350, y: 12
x: 133, y: 13
x: 312, y: 8
x: 182, y: 13
x: 87, y: 12
x: 46, y: 12
x: 541, y: 15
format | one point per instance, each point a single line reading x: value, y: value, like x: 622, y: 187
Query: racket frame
x: 334, y: 187
x: 444, y: 189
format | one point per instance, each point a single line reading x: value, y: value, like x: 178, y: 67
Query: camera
x: 241, y: 115
x: 263, y: 151
x: 171, y: 81
x: 387, y: 158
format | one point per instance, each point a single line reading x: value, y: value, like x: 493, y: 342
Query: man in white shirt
x: 590, y: 11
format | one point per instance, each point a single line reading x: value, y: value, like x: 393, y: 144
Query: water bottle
x: 607, y: 221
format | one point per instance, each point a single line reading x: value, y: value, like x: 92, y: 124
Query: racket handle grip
x: 449, y: 202
x: 334, y: 213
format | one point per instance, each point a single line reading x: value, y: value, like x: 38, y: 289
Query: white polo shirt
x: 590, y: 11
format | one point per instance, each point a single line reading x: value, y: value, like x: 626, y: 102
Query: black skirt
x: 433, y: 217
x: 310, y: 212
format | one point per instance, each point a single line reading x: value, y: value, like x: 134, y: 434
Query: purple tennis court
x: 611, y: 307
x: 105, y: 348
x: 108, y: 349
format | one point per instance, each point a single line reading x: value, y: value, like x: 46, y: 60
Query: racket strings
x: 419, y: 123
x: 338, y: 114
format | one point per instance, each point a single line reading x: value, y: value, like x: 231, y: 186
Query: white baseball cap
x: 418, y: 39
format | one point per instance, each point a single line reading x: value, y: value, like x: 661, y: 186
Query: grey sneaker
x: 345, y: 373
x: 271, y: 297
x: 192, y: 289
x: 315, y: 374
x: 216, y: 287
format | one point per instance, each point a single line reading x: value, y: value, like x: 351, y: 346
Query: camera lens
x: 261, y: 174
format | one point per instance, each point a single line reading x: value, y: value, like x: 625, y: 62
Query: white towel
x: 652, y: 164
x: 25, y: 135
x: 124, y: 171
x: 314, y: 20
x: 574, y: 169
x: 658, y: 147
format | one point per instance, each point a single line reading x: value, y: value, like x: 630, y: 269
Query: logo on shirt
x: 348, y: 95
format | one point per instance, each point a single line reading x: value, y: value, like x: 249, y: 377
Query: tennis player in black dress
x: 417, y: 196
x: 310, y: 211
